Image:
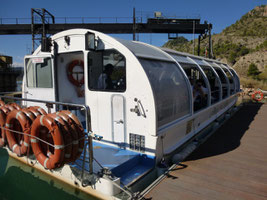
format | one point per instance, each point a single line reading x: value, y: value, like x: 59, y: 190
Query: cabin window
x: 223, y: 81
x: 39, y: 72
x: 199, y: 87
x: 107, y: 71
x: 230, y: 78
x: 237, y: 84
x: 214, y: 83
x: 169, y: 88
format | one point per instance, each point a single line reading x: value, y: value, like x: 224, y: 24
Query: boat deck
x: 119, y: 161
x: 231, y: 164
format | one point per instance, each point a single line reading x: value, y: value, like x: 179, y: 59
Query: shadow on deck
x: 228, y: 137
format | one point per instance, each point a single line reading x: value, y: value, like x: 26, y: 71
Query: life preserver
x: 18, y: 121
x: 56, y: 158
x: 16, y: 106
x: 2, y: 103
x: 5, y: 109
x: 79, y: 130
x: 66, y: 136
x: 70, y: 72
x: 257, y: 95
x: 2, y: 131
x: 74, y: 135
x: 36, y: 109
x: 3, y: 113
x: 29, y: 114
x: 10, y: 107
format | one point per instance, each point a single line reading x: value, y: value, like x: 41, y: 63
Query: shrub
x: 253, y: 71
x: 252, y: 83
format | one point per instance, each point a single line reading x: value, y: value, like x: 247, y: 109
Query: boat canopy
x: 172, y: 75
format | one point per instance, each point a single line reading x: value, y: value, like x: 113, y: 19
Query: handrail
x: 90, y: 136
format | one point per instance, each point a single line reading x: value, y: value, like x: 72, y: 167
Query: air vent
x: 137, y: 142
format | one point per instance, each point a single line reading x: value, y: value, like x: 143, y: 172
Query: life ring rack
x: 257, y: 95
x: 70, y: 73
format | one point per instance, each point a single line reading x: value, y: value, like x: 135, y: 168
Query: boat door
x: 106, y: 94
x: 118, y: 120
x: 39, y: 79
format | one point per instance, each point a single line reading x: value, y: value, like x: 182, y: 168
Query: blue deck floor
x: 126, y: 164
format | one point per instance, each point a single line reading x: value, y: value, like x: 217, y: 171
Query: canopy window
x: 214, y: 83
x: 223, y: 79
x: 170, y: 90
x: 199, y: 87
x: 230, y: 78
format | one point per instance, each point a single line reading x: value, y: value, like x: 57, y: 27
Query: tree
x: 253, y: 71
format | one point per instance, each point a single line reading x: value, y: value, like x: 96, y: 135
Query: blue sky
x: 221, y: 13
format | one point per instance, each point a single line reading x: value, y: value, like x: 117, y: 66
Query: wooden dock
x: 231, y: 164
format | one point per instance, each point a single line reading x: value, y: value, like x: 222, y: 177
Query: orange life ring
x: 5, y: 109
x: 16, y: 120
x: 70, y: 72
x: 35, y: 109
x: 56, y: 158
x: 2, y: 131
x: 16, y: 106
x: 10, y: 107
x: 257, y: 95
x: 3, y: 113
x: 66, y: 136
x: 29, y: 114
x: 2, y: 103
x: 74, y: 135
x: 79, y: 130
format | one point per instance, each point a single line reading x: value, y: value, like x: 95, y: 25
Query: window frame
x: 89, y: 73
x: 35, y: 84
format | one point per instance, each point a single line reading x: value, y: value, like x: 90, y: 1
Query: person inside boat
x: 104, y: 80
x: 199, y: 95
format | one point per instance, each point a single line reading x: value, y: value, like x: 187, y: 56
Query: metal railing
x: 88, y: 135
x: 86, y: 109
x: 73, y: 20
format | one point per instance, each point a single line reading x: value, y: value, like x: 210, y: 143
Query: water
x: 19, y: 181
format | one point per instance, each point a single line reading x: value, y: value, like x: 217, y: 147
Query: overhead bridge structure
x: 42, y: 22
x: 121, y: 28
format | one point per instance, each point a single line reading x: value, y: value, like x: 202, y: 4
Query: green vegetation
x: 263, y: 75
x: 252, y: 83
x: 240, y: 44
x: 253, y: 71
x: 253, y: 23
x: 262, y: 46
x: 179, y: 41
x: 255, y: 79
x: 230, y: 51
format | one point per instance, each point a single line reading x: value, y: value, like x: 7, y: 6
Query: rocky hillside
x: 240, y: 44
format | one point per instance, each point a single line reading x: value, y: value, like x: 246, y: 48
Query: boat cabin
x: 142, y: 98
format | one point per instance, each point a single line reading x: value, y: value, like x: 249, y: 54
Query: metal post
x: 91, y: 153
x: 32, y: 27
x: 194, y: 37
x: 134, y: 24
x: 198, y: 48
x: 43, y: 23
x: 209, y: 40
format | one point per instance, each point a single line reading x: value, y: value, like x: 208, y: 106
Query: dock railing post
x: 91, y: 154
x: 90, y: 138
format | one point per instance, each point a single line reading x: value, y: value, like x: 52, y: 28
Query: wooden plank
x: 232, y: 164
